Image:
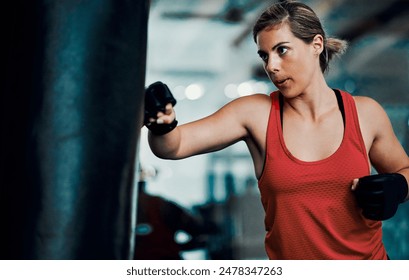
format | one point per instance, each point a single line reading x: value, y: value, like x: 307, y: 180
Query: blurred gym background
x: 204, y: 51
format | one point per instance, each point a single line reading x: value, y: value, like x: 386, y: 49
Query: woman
x: 309, y: 144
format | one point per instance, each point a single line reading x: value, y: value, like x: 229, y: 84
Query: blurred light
x: 350, y: 86
x: 143, y: 229
x: 194, y: 92
x: 231, y: 91
x: 181, y: 237
x: 179, y: 92
x: 260, y: 87
x: 245, y: 88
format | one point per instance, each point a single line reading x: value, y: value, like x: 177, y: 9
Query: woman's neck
x: 315, y: 101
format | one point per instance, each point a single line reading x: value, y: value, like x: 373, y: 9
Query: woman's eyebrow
x: 274, y: 47
x: 279, y: 44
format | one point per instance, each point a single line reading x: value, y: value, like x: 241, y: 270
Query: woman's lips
x: 280, y: 82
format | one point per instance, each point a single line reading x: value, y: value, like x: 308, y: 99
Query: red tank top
x: 311, y: 212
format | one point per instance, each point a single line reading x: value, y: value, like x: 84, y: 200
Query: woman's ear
x: 318, y: 44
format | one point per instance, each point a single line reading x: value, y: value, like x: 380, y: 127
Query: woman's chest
x: 313, y: 142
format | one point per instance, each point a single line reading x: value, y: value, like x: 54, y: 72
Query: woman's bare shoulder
x: 371, y: 113
x: 369, y: 107
x: 254, y: 102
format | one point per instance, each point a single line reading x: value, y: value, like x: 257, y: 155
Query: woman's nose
x: 273, y: 65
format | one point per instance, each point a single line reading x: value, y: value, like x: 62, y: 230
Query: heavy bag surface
x: 83, y: 103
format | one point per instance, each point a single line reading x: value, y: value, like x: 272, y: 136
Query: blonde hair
x: 304, y: 24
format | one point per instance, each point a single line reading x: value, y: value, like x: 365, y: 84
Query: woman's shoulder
x: 257, y: 99
x: 370, y: 111
x: 367, y: 105
x: 252, y: 102
x: 251, y: 109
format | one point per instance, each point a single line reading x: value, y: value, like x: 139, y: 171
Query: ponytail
x: 333, y: 46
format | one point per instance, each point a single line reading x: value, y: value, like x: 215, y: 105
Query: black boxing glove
x: 157, y: 96
x: 380, y: 195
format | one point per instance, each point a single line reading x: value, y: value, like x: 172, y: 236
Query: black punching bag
x: 71, y: 113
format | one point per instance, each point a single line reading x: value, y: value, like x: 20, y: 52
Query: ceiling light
x: 194, y: 92
x: 245, y: 88
x: 230, y: 91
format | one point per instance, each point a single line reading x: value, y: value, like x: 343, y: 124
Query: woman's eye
x: 264, y: 57
x: 282, y: 50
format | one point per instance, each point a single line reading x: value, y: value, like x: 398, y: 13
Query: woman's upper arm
x: 217, y: 131
x: 385, y: 151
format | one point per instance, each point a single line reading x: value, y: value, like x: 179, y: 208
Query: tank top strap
x: 275, y: 120
x: 352, y: 126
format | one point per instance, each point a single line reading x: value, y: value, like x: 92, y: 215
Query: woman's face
x: 289, y: 62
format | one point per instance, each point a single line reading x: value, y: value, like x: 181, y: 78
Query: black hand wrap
x: 157, y: 95
x: 380, y: 195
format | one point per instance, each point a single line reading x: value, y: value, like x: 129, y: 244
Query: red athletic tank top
x: 311, y: 212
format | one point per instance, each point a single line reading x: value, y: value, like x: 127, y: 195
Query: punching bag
x: 71, y: 113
